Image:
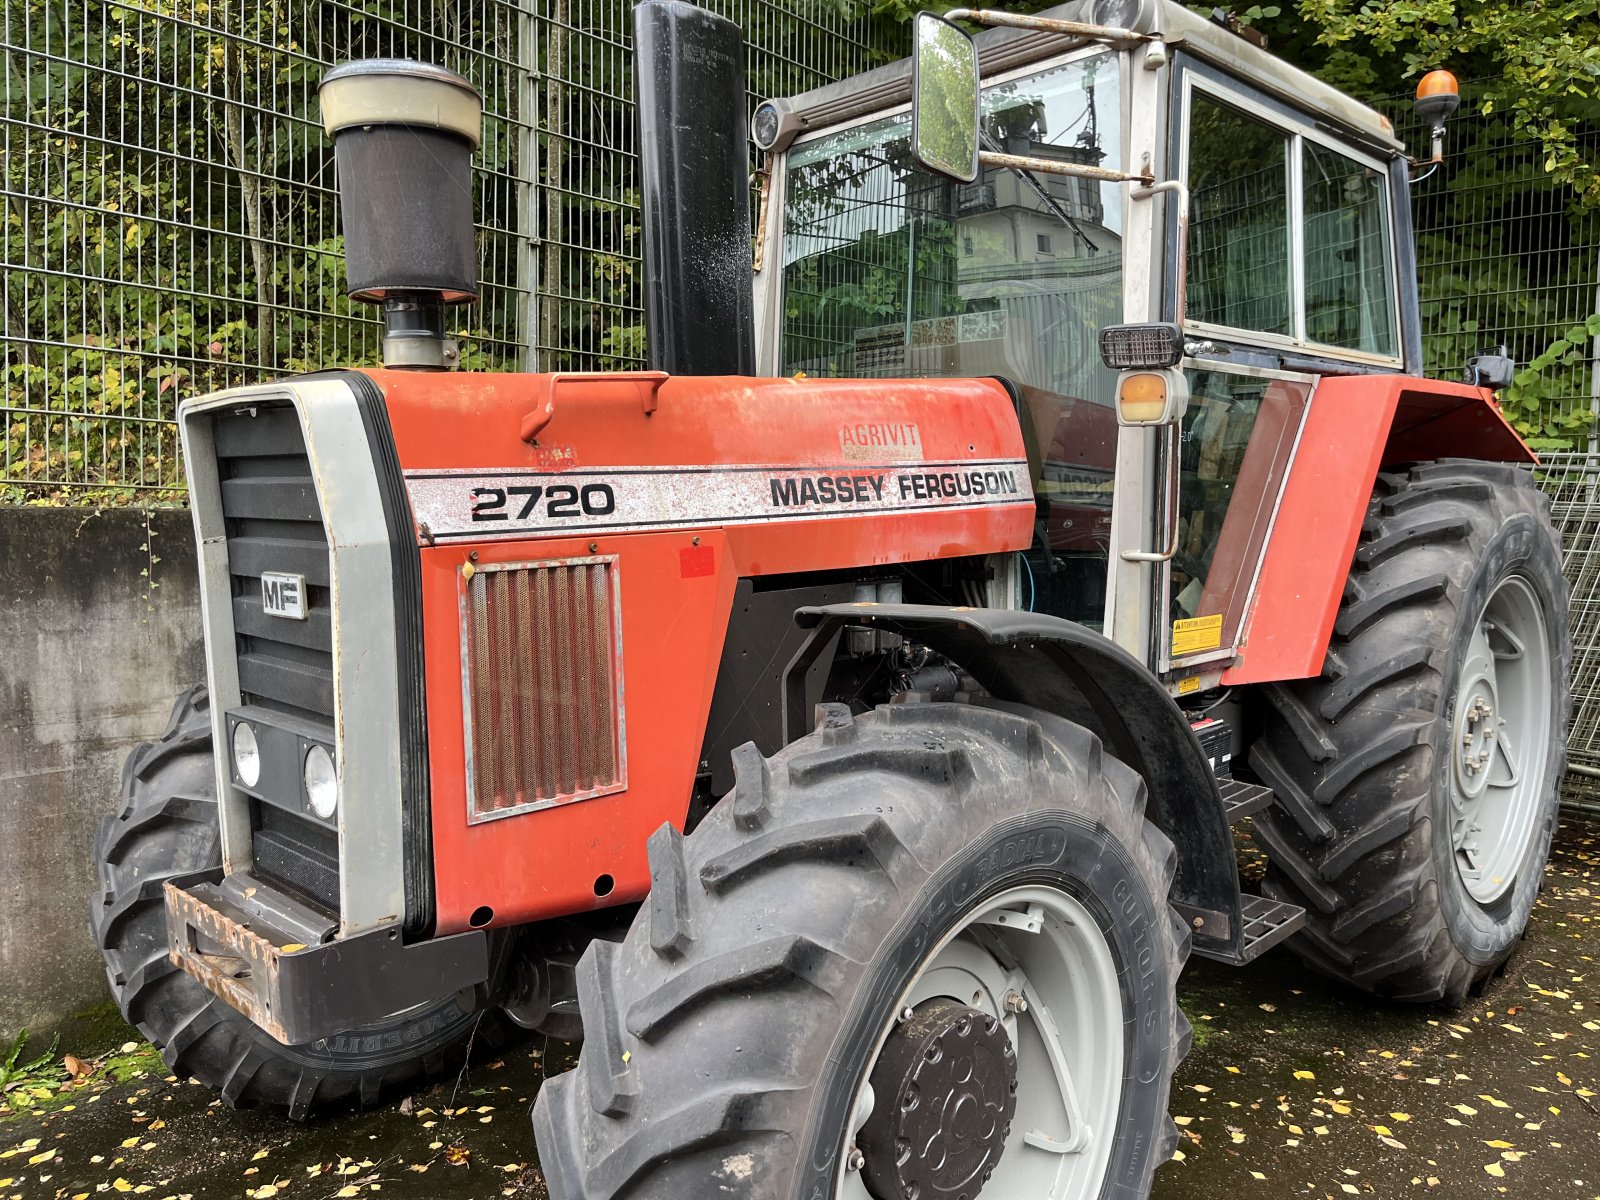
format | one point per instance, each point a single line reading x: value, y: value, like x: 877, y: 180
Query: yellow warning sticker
x: 1188, y: 684
x: 1196, y: 634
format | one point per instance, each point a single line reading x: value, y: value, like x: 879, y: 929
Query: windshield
x: 892, y: 272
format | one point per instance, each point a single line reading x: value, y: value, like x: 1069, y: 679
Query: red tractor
x: 852, y: 761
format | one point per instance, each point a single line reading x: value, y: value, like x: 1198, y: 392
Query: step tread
x: 1240, y: 799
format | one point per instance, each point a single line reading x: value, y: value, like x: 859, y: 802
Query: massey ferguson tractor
x: 842, y: 726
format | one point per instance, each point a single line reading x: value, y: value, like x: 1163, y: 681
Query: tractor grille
x: 543, y: 685
x: 274, y: 523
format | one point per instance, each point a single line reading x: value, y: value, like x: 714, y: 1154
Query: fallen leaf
x: 1305, y: 1075
x: 1495, y: 1169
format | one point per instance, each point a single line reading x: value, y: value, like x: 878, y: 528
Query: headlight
x: 764, y: 126
x: 322, y: 782
x: 246, y: 754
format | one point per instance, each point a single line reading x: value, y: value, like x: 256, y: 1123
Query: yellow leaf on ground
x: 1305, y: 1075
x: 1495, y: 1169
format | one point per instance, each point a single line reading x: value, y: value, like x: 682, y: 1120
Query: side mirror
x: 944, y: 104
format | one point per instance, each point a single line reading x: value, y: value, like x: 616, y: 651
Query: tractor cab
x: 1141, y: 167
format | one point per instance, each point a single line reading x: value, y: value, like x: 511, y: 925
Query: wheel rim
x: 1035, y: 960
x: 1499, y: 735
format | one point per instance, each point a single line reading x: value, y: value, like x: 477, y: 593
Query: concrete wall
x: 91, y: 656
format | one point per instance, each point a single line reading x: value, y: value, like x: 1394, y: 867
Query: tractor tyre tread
x: 1352, y: 754
x: 167, y: 828
x: 790, y: 882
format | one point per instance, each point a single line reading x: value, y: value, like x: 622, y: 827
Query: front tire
x: 1418, y: 778
x: 167, y: 828
x: 923, y: 883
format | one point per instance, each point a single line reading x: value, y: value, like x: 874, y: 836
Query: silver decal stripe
x: 477, y: 504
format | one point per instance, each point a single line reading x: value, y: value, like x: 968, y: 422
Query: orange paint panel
x: 691, y: 484
x: 1314, y: 536
x: 547, y: 861
x: 1355, y: 423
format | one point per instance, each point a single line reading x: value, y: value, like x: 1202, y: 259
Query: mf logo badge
x: 283, y: 595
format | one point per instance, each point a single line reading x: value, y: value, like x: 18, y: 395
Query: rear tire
x: 167, y: 828
x: 730, y: 1035
x: 1415, y: 887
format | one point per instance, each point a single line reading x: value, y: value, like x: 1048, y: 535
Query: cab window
x: 1287, y: 236
x: 1238, y: 221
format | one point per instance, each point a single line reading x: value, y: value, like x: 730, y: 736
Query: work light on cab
x: 1129, y: 347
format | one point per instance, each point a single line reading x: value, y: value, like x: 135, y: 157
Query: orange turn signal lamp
x: 1151, y: 396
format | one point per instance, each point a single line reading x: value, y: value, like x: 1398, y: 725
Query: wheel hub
x: 946, y: 1083
x: 1475, y: 731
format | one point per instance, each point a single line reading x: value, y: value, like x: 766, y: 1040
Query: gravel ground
x: 1291, y: 1090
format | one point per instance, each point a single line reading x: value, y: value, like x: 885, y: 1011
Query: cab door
x: 1289, y: 274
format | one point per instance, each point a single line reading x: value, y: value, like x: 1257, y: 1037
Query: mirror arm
x: 1048, y: 166
x: 1045, y: 197
x: 1099, y: 33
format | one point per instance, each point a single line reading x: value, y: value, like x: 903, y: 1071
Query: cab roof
x: 1005, y: 49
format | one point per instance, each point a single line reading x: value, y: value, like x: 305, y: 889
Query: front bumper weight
x: 226, y: 938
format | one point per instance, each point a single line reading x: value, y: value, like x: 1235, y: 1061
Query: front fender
x: 1063, y: 668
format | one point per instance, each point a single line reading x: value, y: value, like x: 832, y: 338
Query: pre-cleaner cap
x: 400, y: 91
x: 403, y: 134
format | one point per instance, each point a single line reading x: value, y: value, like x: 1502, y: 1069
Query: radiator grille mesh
x: 543, y: 685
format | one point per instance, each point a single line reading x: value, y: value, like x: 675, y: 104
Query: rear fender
x: 1355, y: 425
x: 1063, y: 668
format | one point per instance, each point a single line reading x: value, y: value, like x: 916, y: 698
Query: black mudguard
x: 1064, y: 668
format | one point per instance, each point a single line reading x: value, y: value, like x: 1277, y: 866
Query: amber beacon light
x: 1438, y: 95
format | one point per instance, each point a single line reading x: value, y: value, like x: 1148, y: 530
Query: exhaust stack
x: 403, y: 135
x: 694, y: 176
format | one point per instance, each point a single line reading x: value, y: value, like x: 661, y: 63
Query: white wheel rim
x: 1046, y: 947
x: 1498, y: 739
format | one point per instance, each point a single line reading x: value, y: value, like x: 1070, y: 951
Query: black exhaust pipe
x: 695, y: 189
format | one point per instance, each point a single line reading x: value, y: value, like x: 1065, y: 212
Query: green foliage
x: 1537, y: 399
x: 169, y: 225
x: 25, y: 1084
x: 1538, y: 62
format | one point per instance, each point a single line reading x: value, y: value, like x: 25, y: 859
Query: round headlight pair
x: 317, y: 771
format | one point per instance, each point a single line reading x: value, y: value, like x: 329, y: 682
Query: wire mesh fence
x: 1572, y: 481
x: 1507, y: 257
x: 170, y: 228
